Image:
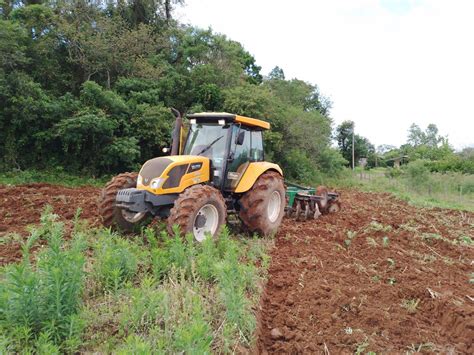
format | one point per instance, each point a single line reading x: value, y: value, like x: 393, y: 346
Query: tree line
x: 427, y: 146
x: 87, y: 86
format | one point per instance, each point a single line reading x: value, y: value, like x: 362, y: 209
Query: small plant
x: 466, y: 240
x: 385, y: 242
x: 351, y: 235
x: 134, y: 344
x: 410, y: 305
x: 391, y: 262
x: 417, y: 348
x: 378, y: 227
x: 431, y: 236
x: 391, y: 281
x: 375, y: 278
x: 361, y: 347
x: 371, y: 242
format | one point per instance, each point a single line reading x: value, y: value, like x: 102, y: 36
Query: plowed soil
x: 380, y: 275
x: 21, y: 206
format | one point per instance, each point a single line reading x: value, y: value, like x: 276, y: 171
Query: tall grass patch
x: 189, y: 297
x: 40, y: 302
x: 416, y: 184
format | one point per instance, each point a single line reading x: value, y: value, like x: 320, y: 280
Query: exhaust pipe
x: 176, y: 132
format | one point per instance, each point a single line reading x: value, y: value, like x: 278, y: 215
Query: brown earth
x: 378, y: 276
x: 336, y: 287
x: 21, y: 206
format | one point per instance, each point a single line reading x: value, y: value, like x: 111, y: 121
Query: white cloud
x: 384, y: 63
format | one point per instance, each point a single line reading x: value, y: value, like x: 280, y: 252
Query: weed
x: 391, y: 262
x: 375, y: 278
x: 385, y: 242
x: 378, y: 227
x: 410, y: 305
x: 361, y: 347
x: 418, y: 348
x: 116, y: 261
x: 391, y: 281
x: 233, y: 280
x: 135, y: 344
x: 431, y: 236
x: 466, y: 240
x: 372, y: 242
x: 351, y: 235
x: 39, y: 305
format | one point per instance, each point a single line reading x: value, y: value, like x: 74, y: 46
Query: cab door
x: 239, y: 156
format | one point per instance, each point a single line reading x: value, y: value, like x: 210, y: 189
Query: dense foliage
x: 431, y: 150
x: 88, y: 86
x: 426, y: 148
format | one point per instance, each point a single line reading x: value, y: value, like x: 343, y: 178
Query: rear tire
x: 199, y: 210
x: 263, y: 206
x: 115, y: 217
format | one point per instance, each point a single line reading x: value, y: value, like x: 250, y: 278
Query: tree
x: 362, y: 146
x: 344, y: 139
x: 276, y: 74
x: 416, y: 136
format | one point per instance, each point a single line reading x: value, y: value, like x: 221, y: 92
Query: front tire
x: 116, y: 217
x: 263, y: 206
x: 200, y: 210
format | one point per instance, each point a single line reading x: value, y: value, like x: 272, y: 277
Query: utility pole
x: 353, y: 163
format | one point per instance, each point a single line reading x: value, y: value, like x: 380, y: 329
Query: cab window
x: 240, y: 156
x: 256, y: 151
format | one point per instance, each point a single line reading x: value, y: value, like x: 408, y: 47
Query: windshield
x: 208, y: 140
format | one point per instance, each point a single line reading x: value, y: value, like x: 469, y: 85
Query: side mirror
x: 239, y: 140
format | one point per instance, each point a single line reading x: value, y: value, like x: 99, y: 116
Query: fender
x: 253, y: 172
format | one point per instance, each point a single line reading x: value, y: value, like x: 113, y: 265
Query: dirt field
x: 378, y: 276
x: 21, y: 206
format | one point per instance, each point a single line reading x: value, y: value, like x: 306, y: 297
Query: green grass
x: 98, y: 291
x: 450, y: 190
x: 56, y: 177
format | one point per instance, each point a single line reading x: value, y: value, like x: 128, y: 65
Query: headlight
x: 156, y: 183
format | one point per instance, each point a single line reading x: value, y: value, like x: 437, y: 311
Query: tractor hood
x: 173, y: 174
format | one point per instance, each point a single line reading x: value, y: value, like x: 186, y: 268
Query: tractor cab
x: 231, y: 142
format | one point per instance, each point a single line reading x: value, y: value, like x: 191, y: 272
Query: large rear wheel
x: 115, y: 217
x: 200, y: 210
x: 263, y: 206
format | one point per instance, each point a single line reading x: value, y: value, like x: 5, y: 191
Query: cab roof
x: 230, y: 117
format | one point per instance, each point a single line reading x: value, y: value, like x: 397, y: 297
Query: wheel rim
x: 274, y: 205
x: 206, y: 221
x: 132, y: 217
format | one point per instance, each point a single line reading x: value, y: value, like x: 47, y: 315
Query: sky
x: 385, y: 64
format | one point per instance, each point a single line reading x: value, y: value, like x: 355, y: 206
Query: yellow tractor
x: 217, y: 170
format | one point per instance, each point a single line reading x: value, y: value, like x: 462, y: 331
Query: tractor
x: 219, y: 169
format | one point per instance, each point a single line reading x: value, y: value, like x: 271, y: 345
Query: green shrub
x: 116, y: 261
x: 39, y: 305
x: 417, y: 173
x: 393, y: 172
x: 136, y: 345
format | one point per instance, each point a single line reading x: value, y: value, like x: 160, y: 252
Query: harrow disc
x: 322, y: 192
x: 307, y: 211
x: 334, y: 207
x: 298, y: 210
